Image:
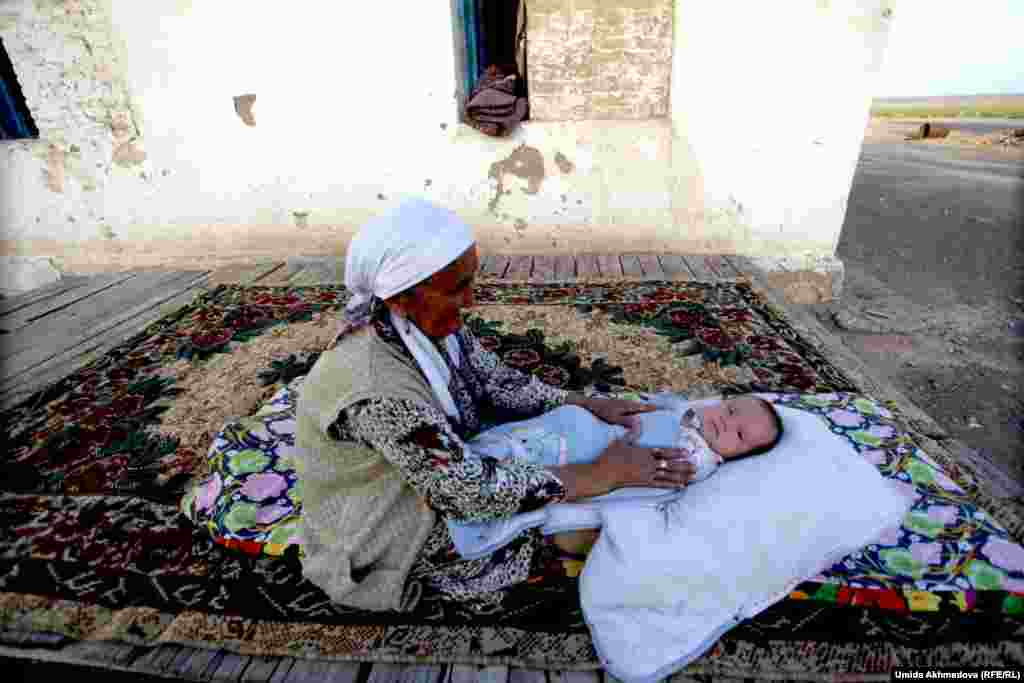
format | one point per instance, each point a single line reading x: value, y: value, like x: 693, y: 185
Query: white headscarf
x: 390, y: 254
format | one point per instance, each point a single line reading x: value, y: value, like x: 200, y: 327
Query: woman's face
x: 437, y: 304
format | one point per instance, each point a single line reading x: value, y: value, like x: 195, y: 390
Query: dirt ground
x: 933, y: 246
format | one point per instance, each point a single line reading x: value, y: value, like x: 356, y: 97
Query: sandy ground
x: 933, y: 246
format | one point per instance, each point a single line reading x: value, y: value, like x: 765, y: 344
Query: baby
x: 733, y: 429
x: 710, y: 435
x: 729, y: 430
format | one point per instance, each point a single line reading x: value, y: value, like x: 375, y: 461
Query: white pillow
x: 662, y: 585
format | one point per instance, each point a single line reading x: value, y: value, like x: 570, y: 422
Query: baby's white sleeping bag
x: 569, y: 435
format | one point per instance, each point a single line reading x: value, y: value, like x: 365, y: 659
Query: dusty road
x: 933, y: 245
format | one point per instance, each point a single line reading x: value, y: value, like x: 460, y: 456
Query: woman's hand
x: 617, y: 411
x: 625, y: 464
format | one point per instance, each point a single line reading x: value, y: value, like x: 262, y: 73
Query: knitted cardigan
x: 363, y: 524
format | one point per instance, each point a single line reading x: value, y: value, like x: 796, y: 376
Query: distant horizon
x: 987, y: 106
x: 935, y: 97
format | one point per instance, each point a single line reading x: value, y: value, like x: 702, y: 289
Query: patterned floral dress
x: 427, y: 447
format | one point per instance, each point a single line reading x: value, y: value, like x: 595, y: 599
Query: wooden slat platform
x: 311, y: 270
x: 48, y: 333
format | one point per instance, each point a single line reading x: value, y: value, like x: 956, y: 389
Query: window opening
x: 495, y: 34
x: 15, y: 119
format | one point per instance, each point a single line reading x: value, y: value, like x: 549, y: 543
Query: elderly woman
x: 384, y: 415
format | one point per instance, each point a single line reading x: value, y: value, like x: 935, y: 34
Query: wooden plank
x: 386, y: 672
x: 195, y: 666
x: 49, y: 337
x: 587, y: 267
x: 14, y: 388
x: 99, y: 652
x: 26, y: 315
x: 725, y: 268
x: 565, y: 267
x: 299, y: 277
x: 574, y: 677
x: 611, y: 268
x: 284, y: 667
x: 681, y: 677
x: 543, y: 269
x: 263, y: 669
x: 701, y: 272
x: 519, y: 268
x: 158, y: 659
x: 743, y: 265
x: 344, y: 672
x: 675, y: 267
x: 496, y: 267
x: 467, y: 673
x: 230, y: 667
x: 276, y: 278
x: 181, y: 658
x: 631, y: 267
x: 316, y: 270
x: 244, y: 273
x: 63, y: 326
x: 715, y: 264
x: 201, y: 667
x: 651, y: 267
x: 67, y: 283
x: 137, y: 652
x: 517, y: 675
x: 315, y: 671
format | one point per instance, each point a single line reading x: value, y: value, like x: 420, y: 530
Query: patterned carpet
x: 94, y: 545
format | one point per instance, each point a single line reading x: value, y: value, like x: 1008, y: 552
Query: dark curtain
x: 499, y: 21
x: 483, y: 52
x: 15, y: 120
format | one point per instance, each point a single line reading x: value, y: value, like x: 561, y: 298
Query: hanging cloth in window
x: 485, y: 36
x: 501, y: 27
x: 498, y: 103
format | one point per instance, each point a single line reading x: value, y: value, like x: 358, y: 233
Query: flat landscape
x: 976, y: 106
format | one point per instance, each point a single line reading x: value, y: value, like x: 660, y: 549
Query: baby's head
x: 741, y: 426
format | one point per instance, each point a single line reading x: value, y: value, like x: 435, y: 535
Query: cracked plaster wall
x: 594, y: 59
x: 169, y: 135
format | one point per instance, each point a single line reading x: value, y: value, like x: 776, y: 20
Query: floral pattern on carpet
x: 96, y: 547
x: 252, y: 502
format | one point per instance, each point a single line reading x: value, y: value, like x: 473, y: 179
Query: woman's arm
x: 510, y: 390
x: 467, y: 486
x: 584, y: 480
x: 461, y: 485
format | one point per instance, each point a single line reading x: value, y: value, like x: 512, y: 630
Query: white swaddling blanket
x: 662, y: 584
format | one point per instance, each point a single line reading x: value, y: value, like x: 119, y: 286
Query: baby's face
x: 737, y: 426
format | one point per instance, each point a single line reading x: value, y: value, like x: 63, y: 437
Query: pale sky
x: 965, y: 48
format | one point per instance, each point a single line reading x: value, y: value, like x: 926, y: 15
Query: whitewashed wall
x: 143, y: 160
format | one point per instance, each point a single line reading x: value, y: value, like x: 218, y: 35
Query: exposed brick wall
x: 599, y: 59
